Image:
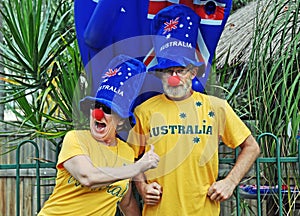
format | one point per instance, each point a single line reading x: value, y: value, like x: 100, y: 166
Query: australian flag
x: 108, y: 28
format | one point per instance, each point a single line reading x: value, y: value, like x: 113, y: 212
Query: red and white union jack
x: 170, y: 25
x: 111, y: 72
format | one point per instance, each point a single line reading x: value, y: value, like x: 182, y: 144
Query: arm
x: 223, y: 189
x: 151, y: 193
x: 82, y: 169
x: 128, y: 204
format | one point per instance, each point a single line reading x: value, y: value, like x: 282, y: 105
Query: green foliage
x: 41, y: 67
x: 273, y: 73
x: 265, y: 89
x: 273, y: 78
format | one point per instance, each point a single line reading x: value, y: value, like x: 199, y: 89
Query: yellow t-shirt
x: 186, y: 135
x: 69, y: 196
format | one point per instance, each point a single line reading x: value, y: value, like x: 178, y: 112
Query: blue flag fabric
x: 106, y: 28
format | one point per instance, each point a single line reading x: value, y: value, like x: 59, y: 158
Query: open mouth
x: 99, y: 125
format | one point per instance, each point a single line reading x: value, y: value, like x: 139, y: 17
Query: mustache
x: 177, y: 91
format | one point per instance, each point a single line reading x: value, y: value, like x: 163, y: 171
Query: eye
x: 169, y: 71
x: 104, y: 108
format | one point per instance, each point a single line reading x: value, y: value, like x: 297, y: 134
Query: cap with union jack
x: 175, y: 33
x: 119, y: 86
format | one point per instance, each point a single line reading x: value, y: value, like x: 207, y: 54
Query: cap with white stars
x: 175, y: 34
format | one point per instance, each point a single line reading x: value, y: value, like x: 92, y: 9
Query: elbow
x: 257, y: 151
x: 85, y: 180
x: 251, y: 146
x: 92, y: 180
x: 254, y: 150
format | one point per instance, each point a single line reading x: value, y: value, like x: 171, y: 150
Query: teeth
x: 100, y: 124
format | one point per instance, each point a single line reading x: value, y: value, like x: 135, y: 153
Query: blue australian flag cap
x: 119, y: 86
x: 174, y: 30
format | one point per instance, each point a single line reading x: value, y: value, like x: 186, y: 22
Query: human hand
x: 221, y: 190
x: 149, y: 160
x: 151, y: 193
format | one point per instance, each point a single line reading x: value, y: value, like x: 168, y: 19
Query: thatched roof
x: 237, y: 36
x: 239, y: 31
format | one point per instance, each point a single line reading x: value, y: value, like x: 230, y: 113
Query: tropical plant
x: 273, y: 78
x: 41, y: 64
x: 265, y: 90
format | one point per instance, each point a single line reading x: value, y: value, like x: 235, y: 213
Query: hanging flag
x: 106, y: 28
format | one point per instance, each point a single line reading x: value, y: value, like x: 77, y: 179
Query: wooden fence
x: 32, y: 181
x: 26, y: 175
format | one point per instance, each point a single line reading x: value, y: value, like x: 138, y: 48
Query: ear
x: 193, y: 71
x: 158, y: 74
x: 121, y: 122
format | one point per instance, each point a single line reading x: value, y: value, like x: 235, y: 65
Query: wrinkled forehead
x: 174, y: 68
x: 171, y: 68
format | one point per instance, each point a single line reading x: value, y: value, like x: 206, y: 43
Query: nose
x: 173, y: 80
x: 97, y: 114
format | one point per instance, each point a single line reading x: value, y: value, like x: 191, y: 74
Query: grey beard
x: 178, y: 91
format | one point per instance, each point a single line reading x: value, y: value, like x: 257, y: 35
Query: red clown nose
x: 174, y: 80
x: 97, y: 114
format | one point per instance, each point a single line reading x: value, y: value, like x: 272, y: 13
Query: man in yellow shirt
x: 186, y: 128
x: 94, y: 166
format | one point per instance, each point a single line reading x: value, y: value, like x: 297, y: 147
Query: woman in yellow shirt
x: 94, y: 166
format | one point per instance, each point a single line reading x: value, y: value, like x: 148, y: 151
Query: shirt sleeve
x: 70, y: 148
x: 136, y: 138
x: 234, y: 130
